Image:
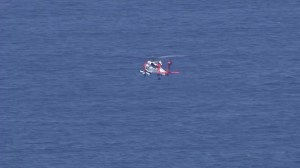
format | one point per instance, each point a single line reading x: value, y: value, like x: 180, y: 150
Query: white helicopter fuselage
x: 156, y: 70
x: 155, y: 67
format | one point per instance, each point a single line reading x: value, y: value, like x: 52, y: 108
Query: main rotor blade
x: 171, y: 56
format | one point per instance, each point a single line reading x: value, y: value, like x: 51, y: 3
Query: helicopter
x: 155, y: 67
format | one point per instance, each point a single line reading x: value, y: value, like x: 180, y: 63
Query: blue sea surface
x: 72, y: 96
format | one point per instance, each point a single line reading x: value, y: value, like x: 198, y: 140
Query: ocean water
x: 71, y: 95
